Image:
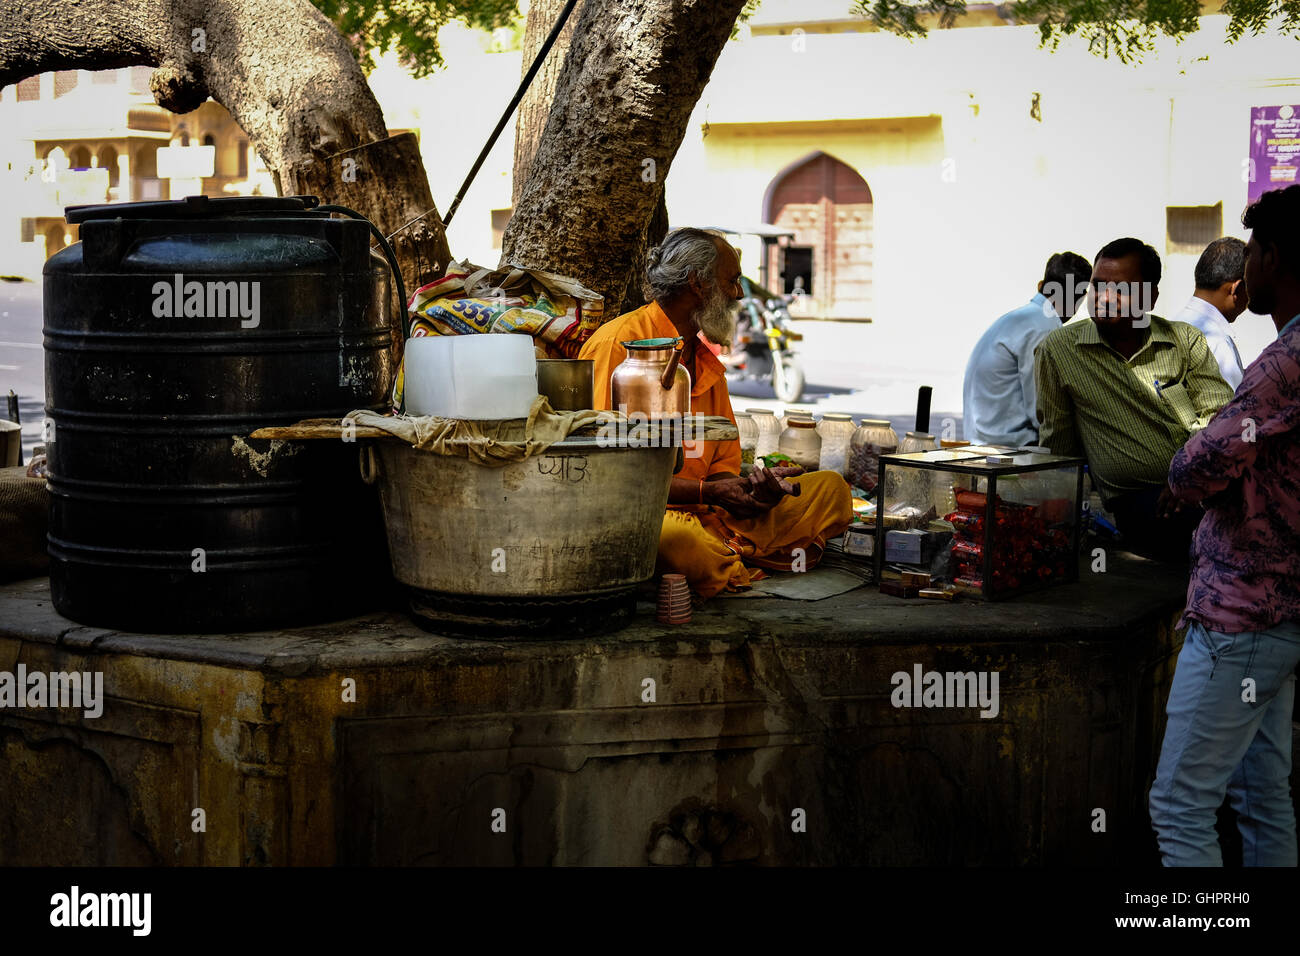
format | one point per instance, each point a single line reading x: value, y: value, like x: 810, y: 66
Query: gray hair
x: 685, y: 252
x: 1224, y: 260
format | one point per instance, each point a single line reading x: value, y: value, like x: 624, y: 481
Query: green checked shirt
x: 1094, y: 403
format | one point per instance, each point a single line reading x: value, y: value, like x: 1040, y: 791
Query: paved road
x: 22, y: 359
x: 844, y: 364
x: 847, y: 370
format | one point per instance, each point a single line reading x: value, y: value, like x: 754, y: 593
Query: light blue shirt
x: 1211, y: 323
x: 998, y: 396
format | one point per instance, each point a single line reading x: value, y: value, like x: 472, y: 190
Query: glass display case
x: 933, y: 517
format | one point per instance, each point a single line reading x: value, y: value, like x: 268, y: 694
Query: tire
x: 788, y: 387
x: 758, y: 365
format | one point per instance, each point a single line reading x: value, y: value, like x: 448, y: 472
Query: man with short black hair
x: 1220, y: 298
x: 1233, y: 692
x: 1125, y: 390
x: 998, y: 396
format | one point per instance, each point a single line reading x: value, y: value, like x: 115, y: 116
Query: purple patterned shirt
x: 1246, y: 464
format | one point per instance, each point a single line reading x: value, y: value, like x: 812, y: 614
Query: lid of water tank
x: 192, y: 207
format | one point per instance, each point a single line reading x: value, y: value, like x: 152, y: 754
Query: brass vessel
x: 651, y: 380
x: 566, y: 383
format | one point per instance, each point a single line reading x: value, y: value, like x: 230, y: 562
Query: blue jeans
x: 1215, y: 743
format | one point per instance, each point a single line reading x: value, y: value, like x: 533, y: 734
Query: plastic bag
x: 558, y: 312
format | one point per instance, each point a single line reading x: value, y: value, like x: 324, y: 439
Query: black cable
x: 519, y: 95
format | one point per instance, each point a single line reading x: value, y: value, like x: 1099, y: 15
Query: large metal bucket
x: 556, y: 542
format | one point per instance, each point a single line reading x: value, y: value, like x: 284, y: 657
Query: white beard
x: 714, y: 317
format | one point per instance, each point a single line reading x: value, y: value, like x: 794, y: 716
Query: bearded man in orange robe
x: 718, y: 525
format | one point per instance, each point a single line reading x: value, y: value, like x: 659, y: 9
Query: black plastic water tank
x: 172, y: 331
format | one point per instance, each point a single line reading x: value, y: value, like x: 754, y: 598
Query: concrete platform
x: 769, y: 737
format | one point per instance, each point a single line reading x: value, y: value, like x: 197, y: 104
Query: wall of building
x: 71, y: 138
x: 237, y: 168
x: 984, y: 154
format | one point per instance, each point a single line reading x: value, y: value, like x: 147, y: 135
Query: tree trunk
x: 530, y: 121
x: 632, y: 77
x: 638, y: 290
x: 282, y: 70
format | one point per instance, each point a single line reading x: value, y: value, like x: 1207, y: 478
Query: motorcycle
x: 762, y: 351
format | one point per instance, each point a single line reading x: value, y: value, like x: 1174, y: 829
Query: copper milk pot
x: 652, y: 380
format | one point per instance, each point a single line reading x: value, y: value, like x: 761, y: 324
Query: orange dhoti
x: 708, y: 545
x: 711, y: 547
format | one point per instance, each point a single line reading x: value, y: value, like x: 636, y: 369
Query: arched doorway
x: 56, y: 161
x: 145, y: 184
x: 79, y: 158
x: 145, y: 161
x: 55, y: 239
x: 828, y: 207
x: 107, y: 159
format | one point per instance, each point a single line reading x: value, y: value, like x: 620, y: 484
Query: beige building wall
x: 984, y: 154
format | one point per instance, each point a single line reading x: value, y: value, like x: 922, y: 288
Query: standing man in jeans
x: 1233, y: 693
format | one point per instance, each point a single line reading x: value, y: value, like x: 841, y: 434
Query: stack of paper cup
x: 674, y: 600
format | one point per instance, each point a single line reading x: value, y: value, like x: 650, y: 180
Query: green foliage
x: 1254, y: 16
x: 903, y: 18
x: 411, y: 26
x: 1126, y: 29
x: 750, y: 8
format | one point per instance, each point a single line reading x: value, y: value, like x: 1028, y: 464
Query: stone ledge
x: 762, y: 705
x: 1131, y: 595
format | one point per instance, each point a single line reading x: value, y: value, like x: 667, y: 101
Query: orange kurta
x: 707, y: 544
x: 708, y: 388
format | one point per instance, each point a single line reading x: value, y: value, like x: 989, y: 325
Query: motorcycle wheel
x: 787, y: 380
x: 758, y: 365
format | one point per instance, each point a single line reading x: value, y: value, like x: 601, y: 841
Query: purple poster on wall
x: 1274, y: 149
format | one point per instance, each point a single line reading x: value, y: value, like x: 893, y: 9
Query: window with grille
x: 29, y: 89
x: 65, y: 81
x: 1189, y: 229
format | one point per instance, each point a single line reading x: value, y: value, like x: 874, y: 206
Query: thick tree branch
x: 279, y: 66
